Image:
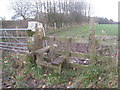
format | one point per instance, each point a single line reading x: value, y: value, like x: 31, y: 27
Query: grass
x: 110, y: 29
x: 83, y: 31
x: 101, y: 74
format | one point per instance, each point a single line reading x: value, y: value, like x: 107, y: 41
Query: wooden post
x: 58, y: 70
x: 92, y: 47
x: 68, y: 51
x: 51, y: 44
x: 38, y: 43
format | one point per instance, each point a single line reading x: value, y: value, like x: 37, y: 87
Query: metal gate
x: 14, y: 40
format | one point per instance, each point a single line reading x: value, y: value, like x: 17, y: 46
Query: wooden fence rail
x: 72, y: 40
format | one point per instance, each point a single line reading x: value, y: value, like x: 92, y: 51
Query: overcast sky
x: 101, y: 8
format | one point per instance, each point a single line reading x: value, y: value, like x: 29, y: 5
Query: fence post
x: 92, y: 45
x: 51, y: 43
x: 68, y: 51
x: 38, y: 43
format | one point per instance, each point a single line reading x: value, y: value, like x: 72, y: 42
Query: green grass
x: 83, y: 31
x: 110, y: 29
x: 101, y: 74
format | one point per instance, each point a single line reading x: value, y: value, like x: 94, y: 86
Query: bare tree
x: 52, y: 11
x: 22, y: 10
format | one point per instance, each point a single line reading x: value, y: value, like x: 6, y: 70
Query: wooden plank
x: 105, y: 57
x: 58, y: 38
x: 58, y: 61
x: 108, y: 43
x: 75, y: 39
x: 46, y: 64
x: 74, y: 54
x: 42, y: 50
x: 63, y: 39
x: 46, y: 38
x: 61, y: 52
x: 77, y: 54
x: 78, y: 66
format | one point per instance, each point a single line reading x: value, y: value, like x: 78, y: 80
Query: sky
x: 105, y: 8
x: 100, y: 8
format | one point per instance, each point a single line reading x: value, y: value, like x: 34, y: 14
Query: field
x: 83, y: 30
x: 20, y: 72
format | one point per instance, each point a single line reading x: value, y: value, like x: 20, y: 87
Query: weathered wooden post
x: 68, y: 51
x: 38, y: 43
x: 38, y: 38
x: 92, y: 46
x: 51, y: 43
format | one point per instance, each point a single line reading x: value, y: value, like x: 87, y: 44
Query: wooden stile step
x: 58, y: 61
x: 43, y: 50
